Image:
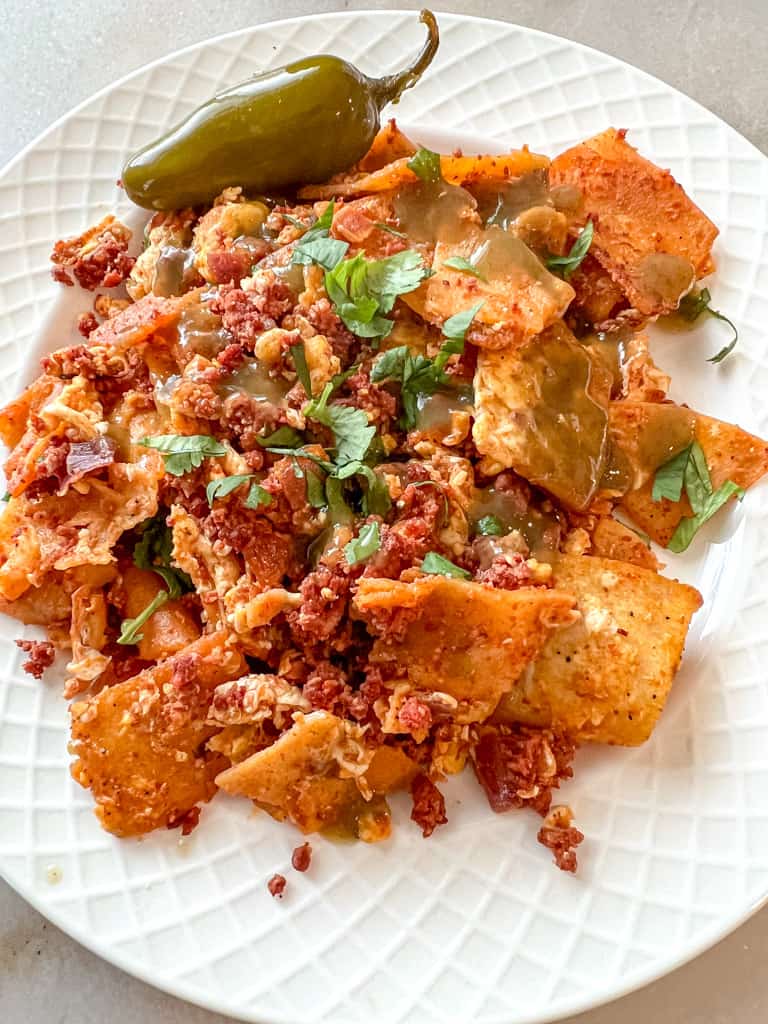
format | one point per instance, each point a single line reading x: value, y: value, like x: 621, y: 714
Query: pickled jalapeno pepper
x: 302, y: 122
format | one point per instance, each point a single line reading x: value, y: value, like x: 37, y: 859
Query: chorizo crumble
x: 326, y: 508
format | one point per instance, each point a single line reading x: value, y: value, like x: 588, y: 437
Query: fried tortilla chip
x: 597, y: 296
x: 649, y: 236
x: 139, y: 745
x: 389, y: 145
x: 543, y: 411
x: 731, y: 454
x: 519, y: 296
x: 458, y: 170
x: 606, y: 678
x: 463, y: 639
x: 74, y: 529
x: 612, y: 539
x: 308, y: 776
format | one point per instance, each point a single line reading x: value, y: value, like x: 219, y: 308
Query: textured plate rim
x: 600, y: 996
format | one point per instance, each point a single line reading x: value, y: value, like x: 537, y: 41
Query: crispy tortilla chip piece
x: 14, y: 417
x: 520, y: 296
x: 298, y: 776
x: 140, y: 321
x: 612, y: 539
x: 606, y: 678
x: 74, y: 529
x: 458, y: 170
x: 139, y: 744
x: 465, y: 640
x: 389, y: 145
x: 597, y: 296
x: 51, y: 602
x: 731, y: 454
x: 638, y: 211
x: 543, y: 411
x: 70, y: 409
x: 210, y: 573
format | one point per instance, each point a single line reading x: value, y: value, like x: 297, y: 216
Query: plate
x: 474, y: 924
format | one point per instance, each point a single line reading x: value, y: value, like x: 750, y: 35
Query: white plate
x: 474, y: 924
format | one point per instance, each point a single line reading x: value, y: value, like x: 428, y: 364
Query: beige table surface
x: 55, y: 54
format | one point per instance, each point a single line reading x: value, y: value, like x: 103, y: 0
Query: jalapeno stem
x: 390, y: 88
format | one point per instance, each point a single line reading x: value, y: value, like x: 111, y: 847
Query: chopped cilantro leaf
x: 257, y: 496
x: 153, y: 551
x: 315, y: 489
x: 299, y: 356
x: 490, y: 526
x: 338, y: 510
x: 436, y: 565
x: 294, y: 221
x: 362, y: 290
x: 418, y: 375
x: 225, y: 485
x: 351, y: 430
x: 426, y: 165
x: 220, y: 488
x: 385, y: 227
x: 326, y: 252
x: 669, y: 479
x: 689, y: 469
x: 129, y: 633
x: 464, y: 266
x: 183, y: 453
x: 376, y: 499
x: 315, y: 245
x: 696, y: 303
x: 456, y: 326
x: 567, y: 264
x: 365, y: 544
x: 687, y: 528
x: 283, y: 437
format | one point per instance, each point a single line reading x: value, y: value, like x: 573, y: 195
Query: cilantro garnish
x: 220, y: 488
x: 436, y: 565
x: 696, y: 303
x: 283, y: 437
x: 183, y: 453
x: 351, y: 430
x: 363, y: 291
x: 385, y: 227
x: 257, y: 496
x: 315, y: 489
x: 294, y: 221
x: 315, y: 245
x: 464, y: 266
x: 365, y: 544
x: 376, y: 499
x: 326, y: 252
x: 299, y: 356
x: 418, y: 375
x: 426, y: 165
x: 567, y: 264
x: 689, y: 469
x: 129, y: 632
x: 154, y: 551
x: 353, y: 440
x: 490, y: 526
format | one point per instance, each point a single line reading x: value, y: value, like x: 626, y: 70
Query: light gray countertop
x: 57, y: 54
